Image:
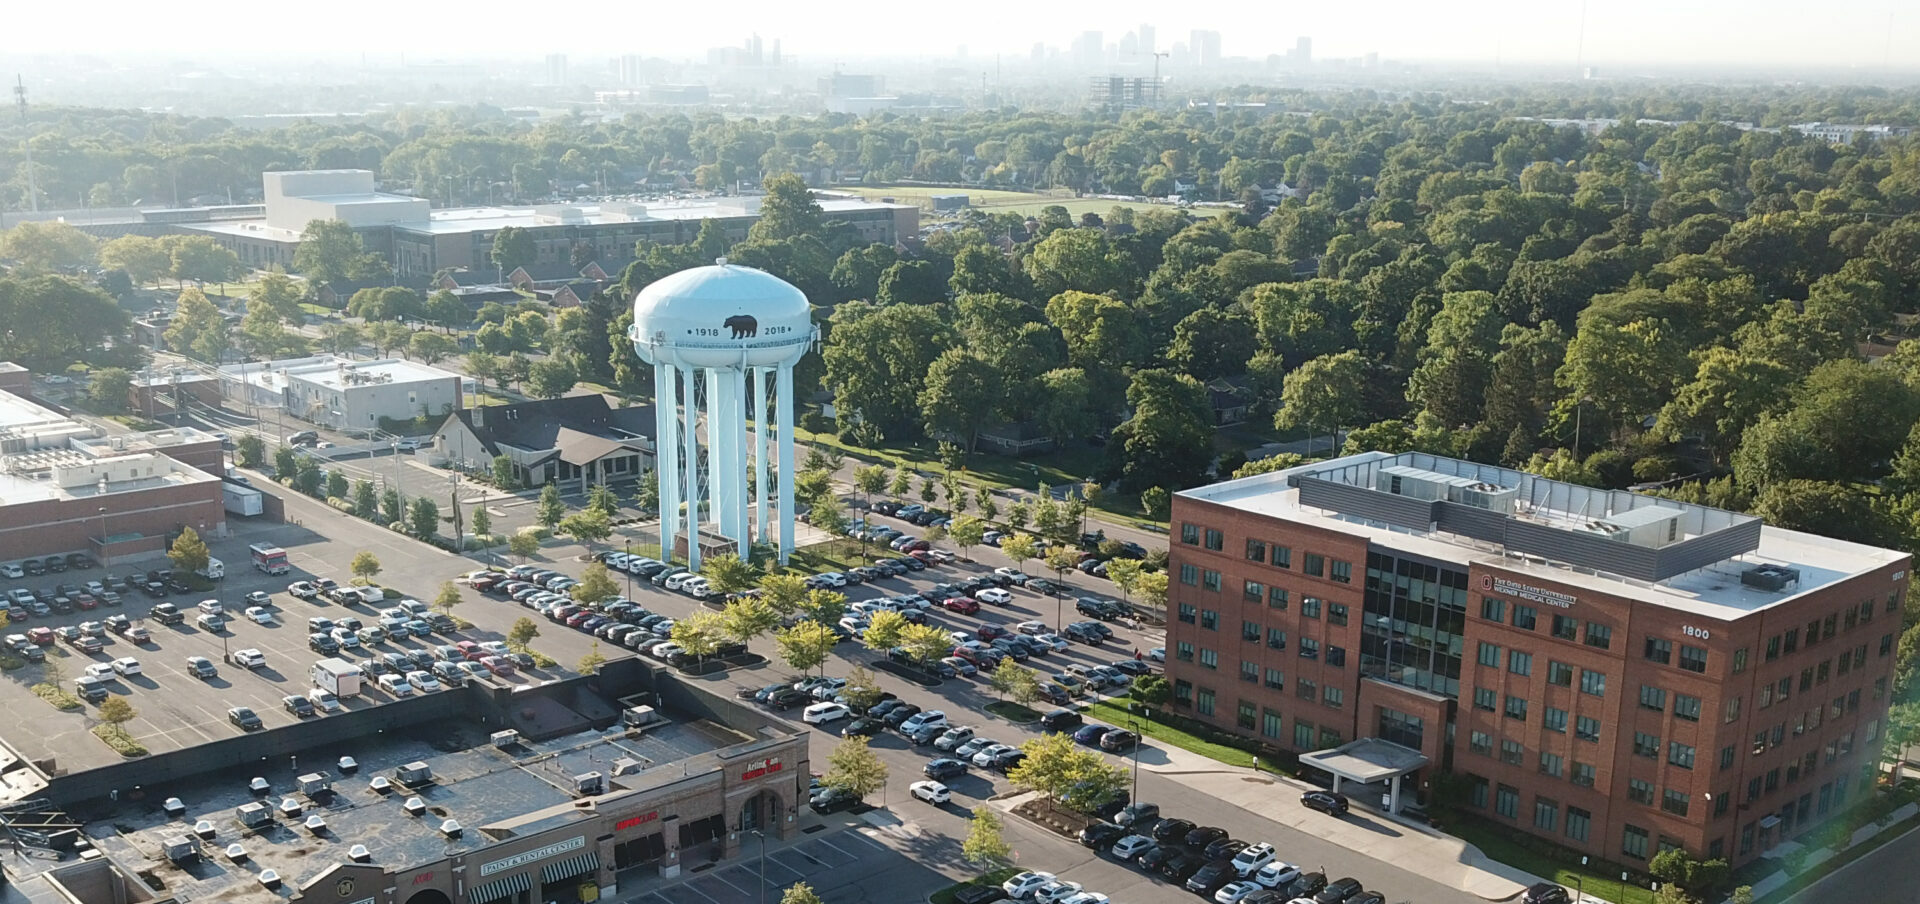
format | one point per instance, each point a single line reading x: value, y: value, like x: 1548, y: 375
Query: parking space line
x: 715, y: 875
x: 797, y: 875
x: 862, y: 836
x: 797, y: 870
x: 850, y: 858
x: 692, y: 885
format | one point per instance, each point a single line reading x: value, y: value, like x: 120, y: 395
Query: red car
x: 575, y: 620
x: 497, y: 665
x: 916, y: 546
x: 41, y: 636
x: 989, y: 632
x: 961, y: 605
x: 86, y: 602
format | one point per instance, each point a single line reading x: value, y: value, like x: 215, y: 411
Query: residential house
x: 1230, y: 397
x: 1016, y: 438
x: 576, y: 442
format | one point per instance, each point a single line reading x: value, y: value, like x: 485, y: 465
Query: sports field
x: 1020, y: 202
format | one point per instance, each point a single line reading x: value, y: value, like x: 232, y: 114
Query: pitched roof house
x: 577, y: 442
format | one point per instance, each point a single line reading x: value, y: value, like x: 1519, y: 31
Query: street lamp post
x: 103, y: 537
x: 1579, y: 885
x: 629, y: 571
x: 1135, y: 725
x: 763, y: 865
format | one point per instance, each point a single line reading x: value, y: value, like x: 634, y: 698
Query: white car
x: 1026, y: 883
x: 101, y: 671
x: 932, y: 718
x: 1252, y: 858
x: 931, y: 792
x: 1232, y: 892
x: 211, y: 607
x: 259, y: 615
x: 1056, y: 891
x: 1130, y: 847
x: 424, y: 682
x: 324, y: 700
x: 1055, y: 641
x: 12, y: 570
x: 822, y: 713
x: 679, y: 580
x: 1013, y: 574
x: 248, y: 658
x: 1032, y: 627
x: 1277, y: 874
x: 396, y: 685
x: 303, y: 590
x: 995, y: 596
x: 987, y: 755
x: 127, y: 665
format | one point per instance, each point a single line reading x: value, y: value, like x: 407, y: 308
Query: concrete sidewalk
x: 1412, y: 846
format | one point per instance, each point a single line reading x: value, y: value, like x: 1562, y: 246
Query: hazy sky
x: 1793, y: 33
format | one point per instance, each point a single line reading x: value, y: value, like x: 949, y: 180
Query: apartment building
x: 1620, y: 673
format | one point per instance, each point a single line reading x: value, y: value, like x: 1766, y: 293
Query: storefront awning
x: 500, y: 888
x: 576, y: 865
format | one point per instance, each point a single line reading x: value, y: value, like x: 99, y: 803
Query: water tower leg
x: 666, y: 457
x: 783, y: 406
x: 759, y: 444
x: 689, y: 384
x: 737, y: 459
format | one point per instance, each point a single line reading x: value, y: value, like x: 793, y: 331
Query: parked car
x: 931, y: 792
x: 244, y: 718
x: 944, y: 768
x: 1326, y: 802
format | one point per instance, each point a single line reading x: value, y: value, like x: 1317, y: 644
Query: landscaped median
x: 993, y: 879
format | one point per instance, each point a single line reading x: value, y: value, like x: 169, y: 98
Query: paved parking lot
x: 846, y: 867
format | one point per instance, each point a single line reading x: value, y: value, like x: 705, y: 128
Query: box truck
x: 338, y: 677
x: 241, y: 500
x: 269, y: 558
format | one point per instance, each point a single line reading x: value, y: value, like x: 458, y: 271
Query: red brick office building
x: 1617, y: 672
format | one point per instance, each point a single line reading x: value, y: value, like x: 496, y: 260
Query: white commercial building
x: 342, y: 393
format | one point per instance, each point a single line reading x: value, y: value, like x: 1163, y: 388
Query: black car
x: 1265, y: 896
x: 1006, y: 761
x: 1326, y: 802
x: 1091, y: 735
x: 1199, y: 838
x: 944, y: 768
x: 884, y: 706
x: 862, y: 728
x: 1179, y: 868
x: 788, y: 698
x: 243, y: 718
x: 1307, y: 885
x: 980, y: 894
x: 830, y: 800
x: 322, y: 644
x: 1207, y: 879
x: 1545, y: 893
x: 1061, y: 720
x: 1084, y: 633
x: 1102, y: 835
x: 1367, y: 897
x: 1224, y: 849
x: 1118, y: 740
x: 1338, y: 891
x: 1158, y: 856
x: 1172, y: 830
x: 900, y: 714
x: 1134, y: 667
x: 1138, y: 816
x: 757, y: 694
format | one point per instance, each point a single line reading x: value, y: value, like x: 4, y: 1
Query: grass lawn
x: 1075, y: 206
x: 923, y: 194
x: 1498, y: 842
x: 945, y: 895
x: 1116, y: 714
x: 1013, y: 712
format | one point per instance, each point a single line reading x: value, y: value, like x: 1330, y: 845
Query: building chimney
x: 479, y: 416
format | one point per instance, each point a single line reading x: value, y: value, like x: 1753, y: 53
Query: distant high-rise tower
x: 1089, y: 50
x: 775, y: 60
x: 1303, y: 52
x: 556, y: 68
x: 1146, y: 38
x: 1205, y: 46
x: 630, y: 64
x: 753, y: 51
x: 1129, y: 45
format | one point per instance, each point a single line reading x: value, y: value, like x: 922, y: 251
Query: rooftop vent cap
x: 359, y: 853
x: 315, y: 824
x: 450, y: 828
x: 236, y: 852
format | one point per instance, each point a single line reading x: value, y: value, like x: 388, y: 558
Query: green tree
x: 198, y: 328
x: 1061, y: 771
x: 883, y: 631
x: 1168, y: 440
x: 1078, y: 260
x: 447, y: 598
x: 787, y: 210
x: 1153, y: 588
x: 869, y: 480
x: 746, y: 618
x: 365, y: 567
x: 967, y: 532
x: 392, y: 506
x: 431, y: 348
x: 504, y: 478
x: 601, y: 498
x: 911, y: 282
x: 700, y: 634
x: 1125, y: 575
x: 45, y: 247
x: 550, y: 509
x: 337, y: 485
x: 116, y: 711
x: 1019, y: 547
x: 591, y: 662
x: 189, y: 552
x: 144, y: 258
x: 1326, y: 393
x: 1060, y: 560
x: 341, y: 338
x: 523, y: 631
x: 1157, y: 502
x: 551, y: 378
x: 596, y: 587
x: 513, y: 248
x: 729, y: 574
x: 799, y: 893
x: 1009, y: 677
x: 307, y: 477
x: 901, y: 483
x: 852, y: 767
x: 1152, y: 690
x: 806, y: 645
x: 201, y: 259
x: 983, y: 499
x: 861, y: 691
x: 586, y: 528
x: 925, y: 643
x: 784, y: 592
x: 423, y: 518
x: 331, y: 252
x: 111, y: 389
x: 984, y: 844
x: 482, y: 523
x: 824, y: 606
x: 523, y: 544
x: 249, y: 450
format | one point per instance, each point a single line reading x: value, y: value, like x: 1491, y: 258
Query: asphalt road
x: 1884, y: 876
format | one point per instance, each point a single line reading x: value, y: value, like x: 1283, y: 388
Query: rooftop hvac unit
x: 414, y: 773
x: 588, y: 783
x: 627, y: 765
x: 506, y: 738
x: 1770, y: 577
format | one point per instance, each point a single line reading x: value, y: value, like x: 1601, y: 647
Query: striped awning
x: 500, y: 888
x: 576, y: 865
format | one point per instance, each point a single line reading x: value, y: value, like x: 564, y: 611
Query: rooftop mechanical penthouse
x: 1619, y: 672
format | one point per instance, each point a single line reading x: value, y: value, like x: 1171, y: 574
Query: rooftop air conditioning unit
x: 1770, y: 577
x: 589, y: 783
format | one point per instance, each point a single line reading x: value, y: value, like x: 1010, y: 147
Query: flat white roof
x: 68, y: 474
x: 17, y: 413
x: 328, y: 371
x: 1714, y: 591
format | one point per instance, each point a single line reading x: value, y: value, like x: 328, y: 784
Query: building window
x: 1309, y: 607
x: 1183, y: 651
x: 1646, y: 745
x: 1791, y: 641
x: 1182, y: 692
x: 1676, y: 802
x: 1545, y: 813
x: 1216, y: 541
x: 1276, y: 639
x: 1253, y: 591
x: 1306, y: 689
x: 1477, y: 791
x: 1693, y: 659
x: 1599, y: 636
x: 1249, y: 671
x: 1740, y: 660
x: 1283, y: 558
x: 1256, y: 551
x: 1333, y: 696
x: 1336, y: 656
x: 1210, y: 619
x: 1659, y: 650
x: 1680, y: 754
x: 1188, y: 611
x: 1559, y: 673
x: 1586, y: 728
x: 1314, y: 564
x: 1484, y: 698
x: 1303, y: 734
x: 1493, y: 609
x: 1886, y: 644
x: 1341, y: 571
x: 1489, y: 654
x: 1271, y: 724
x: 1653, y: 698
x: 1203, y: 701
x: 1582, y: 774
x: 1481, y: 743
x: 1555, y: 719
x: 1209, y: 659
x: 1309, y: 648
x: 1512, y: 753
x: 1329, y: 738
x: 1276, y: 679
x: 1566, y: 628
x: 1210, y: 580
x: 1276, y: 598
x: 1243, y: 715
x: 1516, y: 708
x: 1524, y: 617
x: 1190, y: 575
x: 1520, y: 663
x: 1190, y: 534
x: 1773, y: 648
x: 1726, y: 757
x: 1250, y: 631
x: 1578, y: 823
x: 1594, y: 683
x: 1336, y: 613
x: 1688, y: 708
x: 1506, y: 801
x: 1639, y: 791
x: 1552, y: 764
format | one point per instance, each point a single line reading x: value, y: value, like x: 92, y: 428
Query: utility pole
x: 20, y: 101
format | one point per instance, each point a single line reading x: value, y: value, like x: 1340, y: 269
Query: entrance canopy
x: 1367, y: 761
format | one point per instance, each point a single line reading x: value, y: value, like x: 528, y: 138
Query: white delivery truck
x: 269, y: 558
x: 214, y: 571
x: 338, y: 677
x: 242, y: 500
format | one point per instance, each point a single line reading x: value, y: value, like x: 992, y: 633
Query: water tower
x: 715, y: 336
